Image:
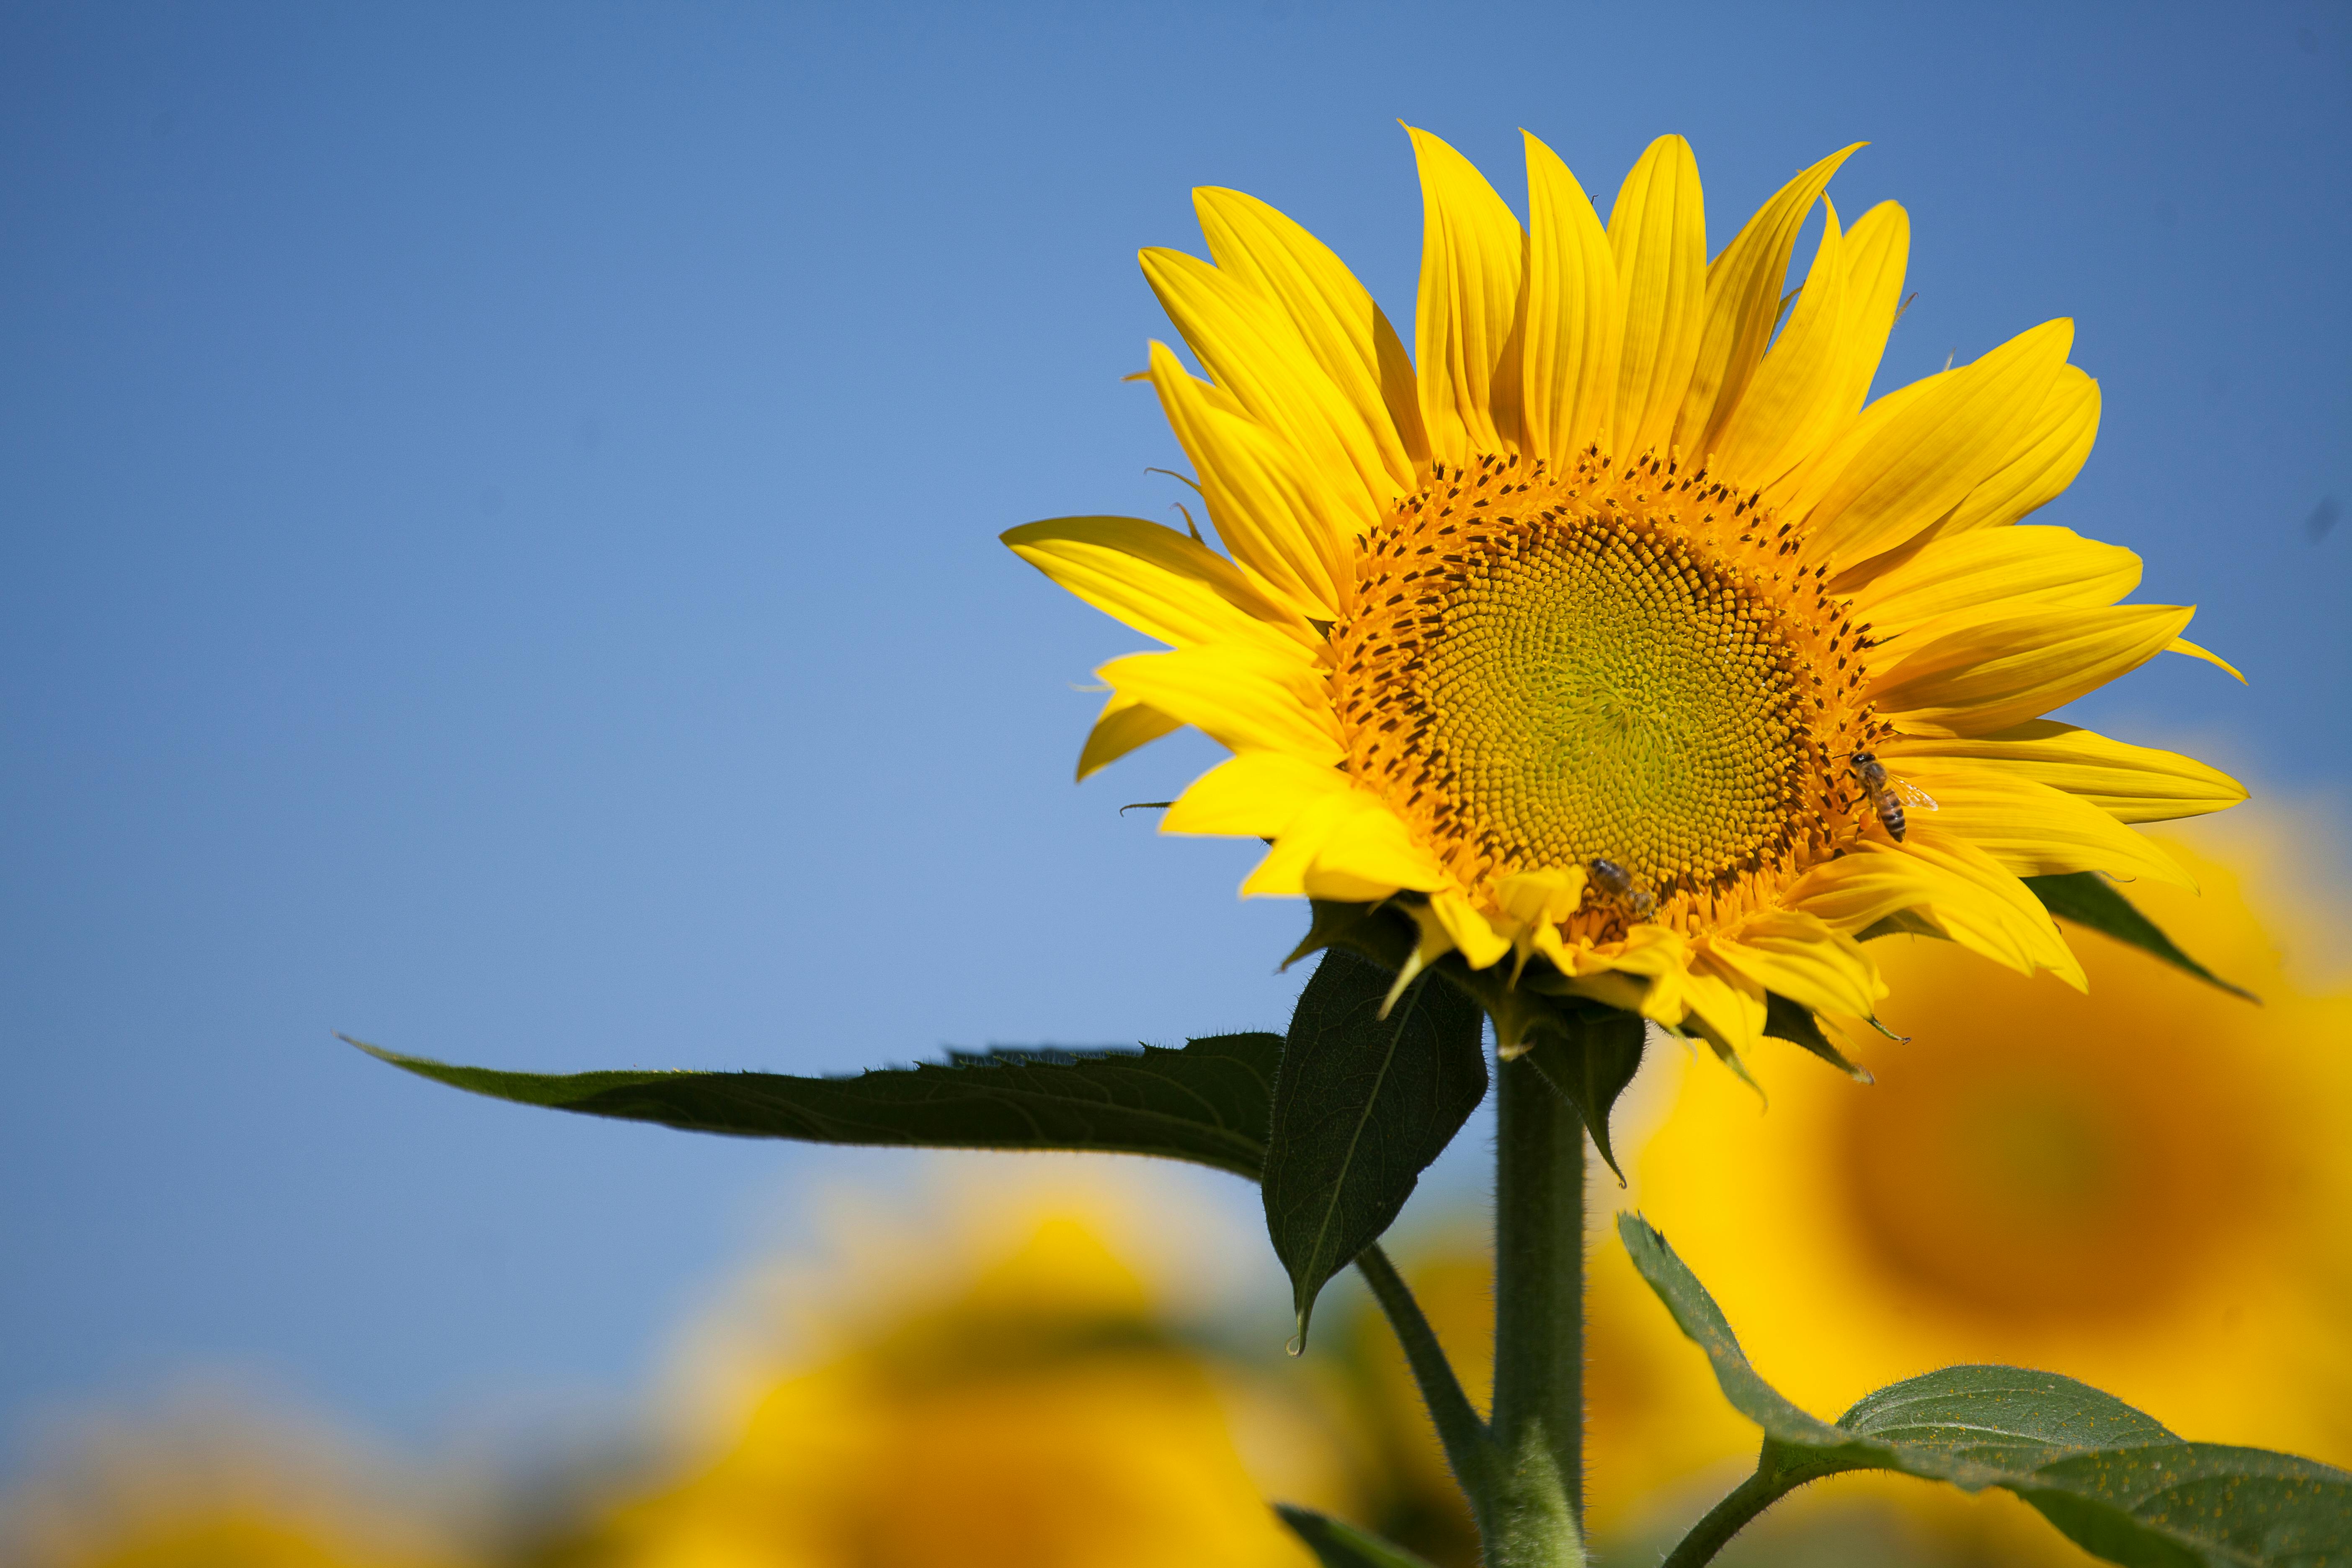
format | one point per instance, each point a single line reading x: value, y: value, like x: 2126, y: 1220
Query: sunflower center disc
x: 1540, y: 672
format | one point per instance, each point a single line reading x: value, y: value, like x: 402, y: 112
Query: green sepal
x: 1590, y: 1050
x: 1376, y: 932
x: 2111, y: 1478
x: 2088, y: 899
x: 1790, y: 1021
x: 1591, y: 1071
x: 1361, y: 1105
x: 1211, y: 1102
x: 1338, y: 1544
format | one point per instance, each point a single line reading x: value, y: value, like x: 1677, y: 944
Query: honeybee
x: 1618, y: 883
x: 1888, y: 795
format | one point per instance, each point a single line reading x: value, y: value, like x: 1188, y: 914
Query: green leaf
x: 1362, y: 1106
x: 2088, y: 899
x: 1592, y: 1069
x: 1340, y: 1545
x: 2112, y: 1479
x: 1787, y: 1020
x: 1695, y: 1313
x: 1210, y: 1102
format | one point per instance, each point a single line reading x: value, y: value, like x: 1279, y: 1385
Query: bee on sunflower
x: 1602, y: 633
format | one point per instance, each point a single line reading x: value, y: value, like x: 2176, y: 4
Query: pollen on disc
x: 1546, y: 668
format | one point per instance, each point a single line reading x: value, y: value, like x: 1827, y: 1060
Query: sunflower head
x: 1616, y: 633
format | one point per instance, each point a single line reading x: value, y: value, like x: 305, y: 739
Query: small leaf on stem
x: 1590, y: 1067
x: 1361, y: 1105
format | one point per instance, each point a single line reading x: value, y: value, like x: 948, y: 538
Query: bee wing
x: 1912, y: 795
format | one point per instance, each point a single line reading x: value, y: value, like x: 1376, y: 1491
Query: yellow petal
x: 1573, y: 327
x: 1123, y: 725
x: 1257, y: 796
x: 1803, y: 958
x: 2000, y: 908
x: 1472, y: 936
x: 1645, y: 974
x: 1795, y: 493
x: 1985, y: 570
x: 1955, y: 888
x: 2030, y: 829
x: 1743, y: 305
x: 1281, y: 874
x: 1724, y: 1005
x: 1989, y: 675
x: 1238, y: 697
x: 1435, y: 941
x: 1263, y: 506
x: 1369, y: 854
x: 2053, y: 453
x: 1164, y: 584
x: 2130, y: 784
x: 1878, y: 249
x: 1253, y: 352
x: 1657, y: 232
x: 1334, y: 318
x: 1790, y: 406
x: 2182, y: 645
x: 1540, y: 898
x: 1472, y: 255
x: 1939, y: 447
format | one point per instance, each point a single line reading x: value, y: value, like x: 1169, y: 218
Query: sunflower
x: 1577, y: 633
x: 1038, y: 1412
x: 2147, y: 1193
x: 211, y: 1486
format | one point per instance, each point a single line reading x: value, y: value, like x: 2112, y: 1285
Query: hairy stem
x: 1725, y: 1520
x: 1539, y: 1420
x: 1459, y: 1427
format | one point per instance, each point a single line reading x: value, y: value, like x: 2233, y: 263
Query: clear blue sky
x: 501, y: 504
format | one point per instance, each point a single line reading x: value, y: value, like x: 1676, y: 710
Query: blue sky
x: 501, y: 504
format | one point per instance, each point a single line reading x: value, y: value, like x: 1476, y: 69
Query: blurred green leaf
x: 2088, y: 899
x: 1362, y: 1106
x: 1340, y: 1545
x: 1210, y: 1102
x: 2112, y: 1479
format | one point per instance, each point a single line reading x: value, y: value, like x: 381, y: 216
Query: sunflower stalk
x: 1535, y: 1512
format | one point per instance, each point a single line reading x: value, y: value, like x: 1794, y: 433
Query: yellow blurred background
x: 2145, y: 1188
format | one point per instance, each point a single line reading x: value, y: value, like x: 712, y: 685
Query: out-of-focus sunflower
x: 1580, y: 633
x: 1040, y: 1414
x: 216, y: 1487
x: 2145, y: 1189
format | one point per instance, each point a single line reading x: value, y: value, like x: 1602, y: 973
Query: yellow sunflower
x: 1040, y: 1414
x: 1583, y: 632
x: 2149, y: 1193
x: 211, y: 1487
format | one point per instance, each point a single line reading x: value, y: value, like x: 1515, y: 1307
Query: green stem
x: 1459, y: 1427
x: 1725, y: 1520
x: 1539, y: 1420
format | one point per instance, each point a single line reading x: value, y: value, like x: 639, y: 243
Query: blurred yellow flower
x: 1040, y: 1414
x: 215, y: 1488
x: 2144, y: 1187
